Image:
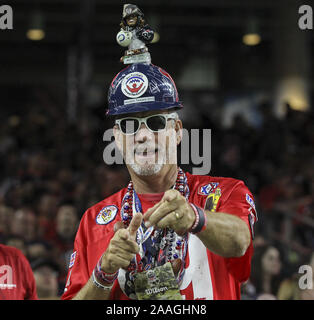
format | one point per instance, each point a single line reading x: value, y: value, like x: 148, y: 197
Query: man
x: 16, y: 277
x: 46, y: 274
x: 201, y: 226
x: 24, y: 224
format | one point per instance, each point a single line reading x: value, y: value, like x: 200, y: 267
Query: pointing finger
x: 135, y: 224
x: 170, y: 195
x: 150, y: 211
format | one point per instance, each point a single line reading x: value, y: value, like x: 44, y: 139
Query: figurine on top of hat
x: 141, y: 86
x: 135, y: 33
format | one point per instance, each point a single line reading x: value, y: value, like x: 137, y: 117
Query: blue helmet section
x: 142, y: 87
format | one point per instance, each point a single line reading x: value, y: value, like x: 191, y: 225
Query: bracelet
x: 107, y: 278
x: 200, y: 220
x: 99, y: 285
x: 197, y: 217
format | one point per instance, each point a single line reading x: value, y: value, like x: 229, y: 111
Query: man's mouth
x: 146, y: 152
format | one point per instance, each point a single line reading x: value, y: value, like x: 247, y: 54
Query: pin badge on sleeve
x: 212, y: 200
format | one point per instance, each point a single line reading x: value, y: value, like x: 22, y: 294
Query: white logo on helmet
x: 134, y: 85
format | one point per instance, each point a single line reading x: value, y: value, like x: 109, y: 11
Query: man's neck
x: 157, y: 183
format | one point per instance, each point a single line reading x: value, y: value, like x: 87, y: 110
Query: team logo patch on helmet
x: 134, y: 85
x: 106, y: 214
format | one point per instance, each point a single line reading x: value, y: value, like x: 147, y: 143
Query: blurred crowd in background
x: 53, y: 171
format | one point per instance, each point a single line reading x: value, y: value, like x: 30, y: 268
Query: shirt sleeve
x: 78, y: 269
x: 241, y: 204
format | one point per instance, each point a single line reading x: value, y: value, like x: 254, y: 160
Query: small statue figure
x: 135, y: 33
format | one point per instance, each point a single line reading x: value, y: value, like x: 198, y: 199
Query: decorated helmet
x: 142, y: 87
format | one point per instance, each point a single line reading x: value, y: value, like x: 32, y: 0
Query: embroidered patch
x: 250, y: 201
x: 252, y: 213
x: 72, y: 259
x: 205, y: 190
x: 106, y: 214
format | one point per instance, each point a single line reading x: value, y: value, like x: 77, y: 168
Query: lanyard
x: 148, y: 252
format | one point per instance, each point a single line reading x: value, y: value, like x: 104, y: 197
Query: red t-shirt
x: 16, y: 277
x: 207, y: 276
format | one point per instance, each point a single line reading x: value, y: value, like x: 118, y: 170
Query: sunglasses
x: 154, y: 123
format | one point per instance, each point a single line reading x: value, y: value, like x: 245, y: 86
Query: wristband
x: 99, y: 285
x: 200, y: 220
x: 107, y: 278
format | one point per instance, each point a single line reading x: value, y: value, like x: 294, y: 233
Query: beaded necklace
x: 157, y: 246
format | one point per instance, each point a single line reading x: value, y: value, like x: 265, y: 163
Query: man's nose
x: 143, y: 134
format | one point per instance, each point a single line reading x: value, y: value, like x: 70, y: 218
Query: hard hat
x: 142, y: 87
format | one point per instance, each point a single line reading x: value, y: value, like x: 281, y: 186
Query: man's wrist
x: 100, y: 284
x: 200, y: 220
x: 104, y: 277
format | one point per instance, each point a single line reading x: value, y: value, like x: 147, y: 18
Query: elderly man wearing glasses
x: 168, y: 234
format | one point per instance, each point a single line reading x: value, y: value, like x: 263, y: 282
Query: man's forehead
x: 142, y: 114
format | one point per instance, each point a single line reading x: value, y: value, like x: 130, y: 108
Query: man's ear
x: 179, y: 131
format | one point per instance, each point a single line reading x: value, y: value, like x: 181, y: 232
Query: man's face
x: 146, y: 152
x: 66, y: 221
x: 46, y: 282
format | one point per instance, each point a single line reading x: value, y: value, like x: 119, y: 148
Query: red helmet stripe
x: 165, y: 73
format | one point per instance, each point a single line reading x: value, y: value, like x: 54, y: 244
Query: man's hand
x: 172, y: 211
x: 122, y: 246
